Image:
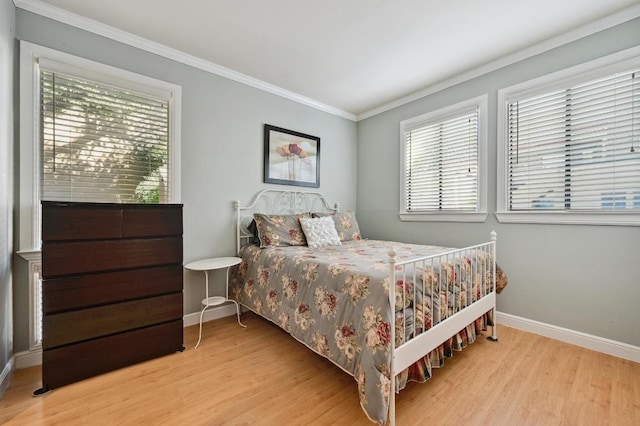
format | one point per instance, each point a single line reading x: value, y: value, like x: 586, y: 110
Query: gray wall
x: 222, y: 146
x: 580, y: 277
x: 585, y: 278
x: 7, y: 25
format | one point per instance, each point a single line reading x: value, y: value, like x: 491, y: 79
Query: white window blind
x: 441, y: 163
x: 102, y: 143
x: 576, y: 148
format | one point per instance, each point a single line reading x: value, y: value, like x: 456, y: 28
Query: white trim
x: 28, y: 359
x: 7, y: 374
x: 129, y: 39
x: 443, y: 217
x: 29, y: 184
x: 35, y: 298
x: 30, y: 55
x: 30, y: 255
x: 175, y: 147
x: 482, y: 104
x: 566, y: 38
x: 210, y: 314
x: 34, y: 261
x: 60, y: 62
x: 571, y: 218
x: 589, y: 341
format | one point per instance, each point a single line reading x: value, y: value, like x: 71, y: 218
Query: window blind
x: 441, y: 170
x: 576, y: 148
x: 102, y: 143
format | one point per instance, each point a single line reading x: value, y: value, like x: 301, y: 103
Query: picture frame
x: 291, y: 158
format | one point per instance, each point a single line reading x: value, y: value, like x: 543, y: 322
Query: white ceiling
x: 351, y: 55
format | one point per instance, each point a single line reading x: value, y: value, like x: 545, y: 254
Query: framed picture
x: 291, y: 158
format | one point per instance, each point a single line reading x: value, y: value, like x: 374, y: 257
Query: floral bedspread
x: 335, y: 301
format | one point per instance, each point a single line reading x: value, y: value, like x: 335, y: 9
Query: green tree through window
x: 102, y: 143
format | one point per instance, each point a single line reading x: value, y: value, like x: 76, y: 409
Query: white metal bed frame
x: 275, y: 201
x: 272, y: 201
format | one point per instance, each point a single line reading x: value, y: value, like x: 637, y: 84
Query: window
x: 90, y: 132
x: 101, y: 143
x: 444, y: 164
x: 570, y: 147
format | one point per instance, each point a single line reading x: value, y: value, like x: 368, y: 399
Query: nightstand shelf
x: 214, y: 301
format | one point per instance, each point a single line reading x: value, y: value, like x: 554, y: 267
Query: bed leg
x: 391, y: 420
x: 494, y: 335
x: 494, y: 238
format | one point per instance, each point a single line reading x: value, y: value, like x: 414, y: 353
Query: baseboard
x: 589, y: 341
x: 209, y: 315
x: 5, y: 377
x: 610, y: 347
x: 599, y: 344
x: 28, y: 359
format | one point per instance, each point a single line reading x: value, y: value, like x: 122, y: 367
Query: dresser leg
x: 41, y: 391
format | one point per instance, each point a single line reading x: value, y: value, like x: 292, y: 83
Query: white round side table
x: 212, y: 264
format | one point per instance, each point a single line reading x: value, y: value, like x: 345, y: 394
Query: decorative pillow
x: 280, y: 230
x: 320, y: 232
x: 346, y: 224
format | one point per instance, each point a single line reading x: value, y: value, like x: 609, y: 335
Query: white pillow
x: 320, y: 232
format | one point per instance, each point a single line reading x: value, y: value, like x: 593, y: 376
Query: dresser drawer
x: 80, y: 325
x: 77, y: 257
x: 83, y: 291
x: 77, y: 362
x: 148, y: 222
x: 63, y: 222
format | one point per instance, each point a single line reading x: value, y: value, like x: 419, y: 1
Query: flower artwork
x: 290, y: 151
x: 291, y: 158
x: 293, y: 153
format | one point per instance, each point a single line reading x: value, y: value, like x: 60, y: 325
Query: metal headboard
x: 276, y: 201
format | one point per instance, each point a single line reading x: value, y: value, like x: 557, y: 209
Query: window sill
x: 443, y: 217
x: 30, y: 255
x: 571, y: 218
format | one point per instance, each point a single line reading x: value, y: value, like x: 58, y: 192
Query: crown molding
x: 565, y: 38
x: 60, y: 15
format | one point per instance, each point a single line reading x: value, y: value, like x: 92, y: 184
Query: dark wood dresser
x: 112, y: 287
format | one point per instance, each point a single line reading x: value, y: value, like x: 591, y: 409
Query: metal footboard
x: 455, y: 287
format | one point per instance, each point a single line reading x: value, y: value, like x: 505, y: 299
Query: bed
x: 306, y: 268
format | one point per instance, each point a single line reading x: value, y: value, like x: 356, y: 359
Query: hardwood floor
x: 262, y: 376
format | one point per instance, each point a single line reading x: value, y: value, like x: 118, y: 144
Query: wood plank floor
x: 262, y: 376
